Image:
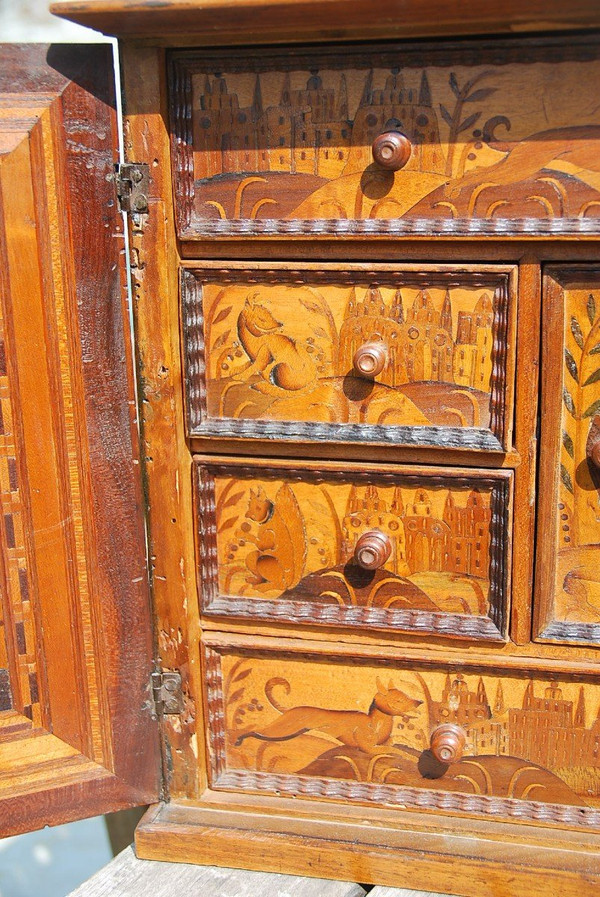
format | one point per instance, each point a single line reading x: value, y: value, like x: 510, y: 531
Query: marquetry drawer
x: 419, y: 139
x: 567, y: 594
x: 482, y: 739
x: 379, y: 353
x: 423, y: 550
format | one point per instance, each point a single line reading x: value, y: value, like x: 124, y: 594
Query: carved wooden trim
x: 572, y: 632
x: 496, y: 51
x: 194, y: 353
x: 216, y: 711
x: 364, y: 792
x: 500, y: 554
x: 397, y: 227
x: 500, y: 363
x: 492, y: 628
x: 500, y: 52
x: 474, y: 438
x: 193, y: 350
x: 414, y: 798
x: 456, y: 625
x: 182, y: 144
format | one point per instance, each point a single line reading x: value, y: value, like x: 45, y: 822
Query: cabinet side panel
x: 166, y: 457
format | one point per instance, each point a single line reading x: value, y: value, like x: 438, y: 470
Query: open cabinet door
x: 76, y: 735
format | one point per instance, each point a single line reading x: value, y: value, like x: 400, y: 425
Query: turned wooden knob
x: 391, y: 150
x: 369, y: 359
x: 372, y: 550
x: 592, y: 446
x: 448, y: 742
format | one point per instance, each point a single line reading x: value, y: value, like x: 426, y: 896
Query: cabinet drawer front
x: 568, y: 581
x: 275, y: 351
x: 523, y: 746
x: 496, y: 138
x: 408, y: 549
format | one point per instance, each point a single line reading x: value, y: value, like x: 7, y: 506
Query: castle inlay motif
x: 285, y: 351
x: 297, y: 541
x: 310, y: 131
x: 290, y: 143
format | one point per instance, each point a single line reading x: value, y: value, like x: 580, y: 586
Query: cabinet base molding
x: 470, y: 857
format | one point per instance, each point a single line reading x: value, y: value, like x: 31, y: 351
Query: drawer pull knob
x: 370, y: 359
x: 448, y: 742
x: 372, y: 550
x: 391, y: 150
x: 592, y: 448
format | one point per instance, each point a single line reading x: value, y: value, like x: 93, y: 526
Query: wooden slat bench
x: 126, y: 876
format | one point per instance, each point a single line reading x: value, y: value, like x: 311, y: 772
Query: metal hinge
x: 133, y: 181
x: 167, y: 693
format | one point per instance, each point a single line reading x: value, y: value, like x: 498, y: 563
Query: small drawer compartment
x: 567, y: 594
x: 421, y: 550
x: 404, y: 355
x: 476, y: 738
x: 447, y: 139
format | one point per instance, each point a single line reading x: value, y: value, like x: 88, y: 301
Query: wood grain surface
x: 432, y: 851
x: 130, y: 877
x: 74, y: 585
x: 264, y: 21
x: 166, y: 457
x: 401, y: 892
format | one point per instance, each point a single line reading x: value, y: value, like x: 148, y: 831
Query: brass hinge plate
x: 167, y: 693
x: 133, y: 182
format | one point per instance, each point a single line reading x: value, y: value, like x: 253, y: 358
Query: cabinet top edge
x: 214, y: 22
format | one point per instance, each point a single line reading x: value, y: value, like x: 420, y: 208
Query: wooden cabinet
x: 365, y: 302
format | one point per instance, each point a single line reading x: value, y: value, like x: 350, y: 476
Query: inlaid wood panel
x: 283, y: 542
x: 18, y: 633
x: 73, y: 586
x: 356, y: 729
x: 6, y: 699
x: 277, y: 350
x: 568, y: 589
x: 502, y: 140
